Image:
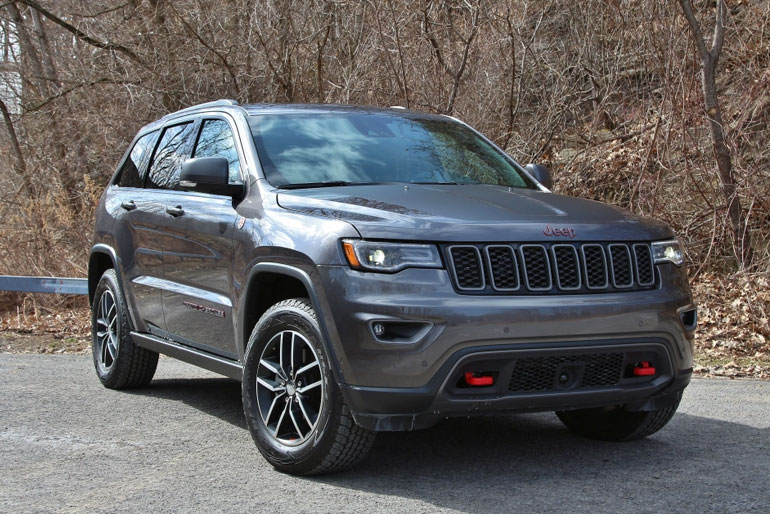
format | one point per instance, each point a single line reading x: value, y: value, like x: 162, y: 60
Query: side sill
x: 221, y: 365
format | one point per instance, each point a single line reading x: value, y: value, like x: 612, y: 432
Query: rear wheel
x: 616, y: 423
x: 293, y: 406
x: 119, y: 363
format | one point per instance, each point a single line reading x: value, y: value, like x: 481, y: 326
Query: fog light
x: 379, y: 329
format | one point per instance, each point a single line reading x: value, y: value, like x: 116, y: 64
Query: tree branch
x: 695, y: 27
x: 105, y: 45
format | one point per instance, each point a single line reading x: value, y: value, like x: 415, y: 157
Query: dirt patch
x: 64, y: 331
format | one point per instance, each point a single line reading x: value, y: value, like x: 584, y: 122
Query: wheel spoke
x: 305, y: 368
x: 280, y: 419
x: 266, y: 419
x: 280, y: 352
x: 294, y: 421
x: 304, y: 412
x: 270, y: 384
x: 309, y: 387
x: 270, y: 365
x: 103, y: 351
x: 112, y: 345
x: 291, y: 362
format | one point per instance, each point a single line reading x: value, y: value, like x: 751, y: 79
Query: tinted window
x: 171, y: 152
x: 132, y: 173
x: 362, y: 147
x: 216, y: 140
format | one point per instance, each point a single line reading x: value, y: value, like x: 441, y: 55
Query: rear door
x: 198, y: 251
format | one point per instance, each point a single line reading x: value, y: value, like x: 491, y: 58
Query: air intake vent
x: 505, y: 271
x: 540, y: 374
x: 622, y: 275
x: 567, y: 270
x: 466, y: 263
x: 537, y: 271
x: 645, y: 273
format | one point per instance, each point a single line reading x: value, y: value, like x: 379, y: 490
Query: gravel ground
x: 181, y: 445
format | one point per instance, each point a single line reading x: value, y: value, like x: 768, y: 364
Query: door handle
x: 129, y: 205
x: 175, y: 211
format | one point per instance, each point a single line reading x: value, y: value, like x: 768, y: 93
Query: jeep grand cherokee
x: 363, y: 270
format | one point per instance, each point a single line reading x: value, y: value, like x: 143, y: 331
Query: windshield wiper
x: 302, y: 185
x: 440, y: 183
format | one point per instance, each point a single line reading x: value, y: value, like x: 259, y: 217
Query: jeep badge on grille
x: 564, y: 231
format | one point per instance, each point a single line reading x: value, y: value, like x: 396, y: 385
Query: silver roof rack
x: 216, y: 103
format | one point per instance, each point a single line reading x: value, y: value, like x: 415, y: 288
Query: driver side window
x: 216, y: 140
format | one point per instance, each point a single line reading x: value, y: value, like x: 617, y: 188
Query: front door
x: 198, y: 253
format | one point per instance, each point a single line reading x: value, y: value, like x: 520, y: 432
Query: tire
x: 119, y: 363
x: 616, y: 423
x: 299, y: 429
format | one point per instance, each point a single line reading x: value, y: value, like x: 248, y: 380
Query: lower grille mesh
x: 541, y: 374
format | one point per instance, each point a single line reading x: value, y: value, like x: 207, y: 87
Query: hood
x: 465, y: 213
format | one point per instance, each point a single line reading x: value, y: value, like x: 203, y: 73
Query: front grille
x: 538, y: 374
x: 561, y: 268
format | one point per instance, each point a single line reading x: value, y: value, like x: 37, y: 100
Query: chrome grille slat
x: 550, y: 268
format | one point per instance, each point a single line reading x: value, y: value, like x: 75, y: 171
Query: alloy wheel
x: 290, y: 388
x: 107, y: 341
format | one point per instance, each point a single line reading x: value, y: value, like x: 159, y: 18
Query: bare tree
x: 709, y: 59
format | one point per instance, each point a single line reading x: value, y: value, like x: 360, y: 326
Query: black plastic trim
x: 221, y: 365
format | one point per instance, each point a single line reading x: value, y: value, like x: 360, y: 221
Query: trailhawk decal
x: 202, y: 308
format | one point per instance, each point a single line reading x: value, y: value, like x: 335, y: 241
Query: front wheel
x: 616, y: 423
x: 119, y: 363
x: 293, y: 406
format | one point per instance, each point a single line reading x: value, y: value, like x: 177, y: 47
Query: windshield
x: 354, y: 148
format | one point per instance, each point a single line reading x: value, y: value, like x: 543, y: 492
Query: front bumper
x: 406, y: 382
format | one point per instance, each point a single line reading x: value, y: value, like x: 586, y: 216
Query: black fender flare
x: 304, y: 278
x: 102, y: 249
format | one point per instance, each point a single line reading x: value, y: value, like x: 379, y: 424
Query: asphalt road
x: 69, y: 445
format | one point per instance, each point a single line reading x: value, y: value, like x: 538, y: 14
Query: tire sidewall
x: 108, y: 282
x: 309, y: 454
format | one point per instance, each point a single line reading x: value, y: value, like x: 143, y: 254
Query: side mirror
x: 208, y: 175
x: 540, y: 173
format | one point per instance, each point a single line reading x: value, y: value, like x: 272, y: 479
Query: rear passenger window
x: 216, y: 140
x: 171, y: 152
x: 132, y: 172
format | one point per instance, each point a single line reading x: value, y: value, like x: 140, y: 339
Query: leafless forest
x: 658, y: 106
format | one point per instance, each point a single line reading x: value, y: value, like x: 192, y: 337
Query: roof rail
x: 215, y: 103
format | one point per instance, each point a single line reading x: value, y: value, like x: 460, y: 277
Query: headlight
x: 668, y: 251
x: 390, y: 257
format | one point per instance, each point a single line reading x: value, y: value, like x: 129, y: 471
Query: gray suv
x: 363, y: 270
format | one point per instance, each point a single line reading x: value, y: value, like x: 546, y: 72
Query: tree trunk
x: 709, y: 58
x: 19, y: 166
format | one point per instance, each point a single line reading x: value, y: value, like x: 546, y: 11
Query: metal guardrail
x: 53, y: 285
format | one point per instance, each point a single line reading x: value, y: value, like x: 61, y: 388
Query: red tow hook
x: 477, y: 379
x: 644, y: 369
